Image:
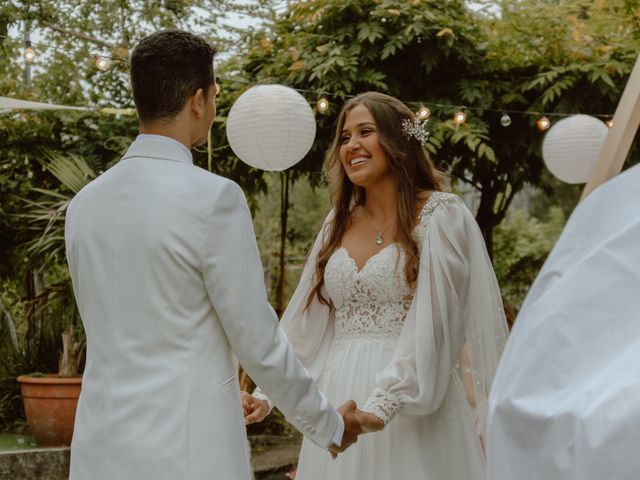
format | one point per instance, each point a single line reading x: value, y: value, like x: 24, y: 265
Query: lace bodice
x: 372, y: 301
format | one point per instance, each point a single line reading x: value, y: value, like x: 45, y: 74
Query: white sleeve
x: 232, y: 272
x: 456, y: 285
x: 309, y: 330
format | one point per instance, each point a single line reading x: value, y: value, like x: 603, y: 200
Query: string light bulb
x: 505, y: 120
x: 460, y: 117
x: 543, y: 124
x: 609, y: 122
x: 323, y: 105
x: 29, y: 53
x: 423, y: 113
x: 103, y: 63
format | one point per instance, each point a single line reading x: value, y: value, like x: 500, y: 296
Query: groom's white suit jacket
x: 169, y: 284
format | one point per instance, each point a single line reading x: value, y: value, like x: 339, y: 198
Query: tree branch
x: 475, y: 185
x: 80, y: 35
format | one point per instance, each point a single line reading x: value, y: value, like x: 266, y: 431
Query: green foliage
x: 45, y: 215
x: 47, y: 156
x: 569, y: 56
x: 535, y: 55
x: 309, y: 206
x: 522, y: 244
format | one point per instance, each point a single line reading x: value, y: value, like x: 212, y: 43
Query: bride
x: 398, y: 308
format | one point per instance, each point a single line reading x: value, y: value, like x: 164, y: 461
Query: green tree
x: 523, y: 243
x: 526, y: 58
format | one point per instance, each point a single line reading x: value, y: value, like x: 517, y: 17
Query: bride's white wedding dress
x: 397, y: 352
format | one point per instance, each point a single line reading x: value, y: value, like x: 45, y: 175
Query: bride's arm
x: 455, y: 289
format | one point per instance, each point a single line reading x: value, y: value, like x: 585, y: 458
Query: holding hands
x: 356, y: 422
x: 255, y: 410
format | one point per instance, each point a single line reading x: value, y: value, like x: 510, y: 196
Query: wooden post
x: 620, y: 137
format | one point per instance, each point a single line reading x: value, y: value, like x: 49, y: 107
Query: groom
x: 169, y: 284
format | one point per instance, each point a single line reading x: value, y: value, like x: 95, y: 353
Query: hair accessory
x: 415, y: 128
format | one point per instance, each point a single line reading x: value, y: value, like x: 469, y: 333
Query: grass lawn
x: 12, y: 441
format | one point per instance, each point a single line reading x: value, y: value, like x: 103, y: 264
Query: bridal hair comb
x: 415, y: 128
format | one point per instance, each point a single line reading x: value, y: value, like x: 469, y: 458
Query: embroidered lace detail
x: 371, y: 304
x: 373, y: 301
x: 435, y: 199
x: 382, y: 404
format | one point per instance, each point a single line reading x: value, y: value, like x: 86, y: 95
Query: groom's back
x: 134, y: 242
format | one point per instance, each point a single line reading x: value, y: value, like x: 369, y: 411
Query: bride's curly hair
x: 413, y: 172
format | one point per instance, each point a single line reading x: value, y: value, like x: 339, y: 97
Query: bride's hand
x: 255, y: 410
x: 369, y: 422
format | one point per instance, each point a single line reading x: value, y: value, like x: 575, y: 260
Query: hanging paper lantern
x: 572, y: 146
x: 271, y: 127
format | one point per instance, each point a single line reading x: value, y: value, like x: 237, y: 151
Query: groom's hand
x: 352, y: 428
x: 255, y: 410
x: 369, y: 422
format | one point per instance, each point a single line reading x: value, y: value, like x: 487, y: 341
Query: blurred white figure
x: 565, y: 403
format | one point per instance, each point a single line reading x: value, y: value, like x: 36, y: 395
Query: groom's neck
x: 168, y: 129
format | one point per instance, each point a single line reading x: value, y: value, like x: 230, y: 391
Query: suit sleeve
x: 234, y: 279
x: 309, y: 329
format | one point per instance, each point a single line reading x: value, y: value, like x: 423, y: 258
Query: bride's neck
x: 381, y: 202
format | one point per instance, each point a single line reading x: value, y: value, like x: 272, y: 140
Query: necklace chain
x: 379, y: 233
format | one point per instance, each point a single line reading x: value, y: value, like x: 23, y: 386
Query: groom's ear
x: 198, y: 103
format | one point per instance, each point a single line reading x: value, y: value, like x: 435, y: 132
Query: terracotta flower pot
x: 50, y: 405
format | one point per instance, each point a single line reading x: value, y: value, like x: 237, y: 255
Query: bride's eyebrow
x: 363, y: 124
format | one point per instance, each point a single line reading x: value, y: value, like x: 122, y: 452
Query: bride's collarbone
x: 361, y: 242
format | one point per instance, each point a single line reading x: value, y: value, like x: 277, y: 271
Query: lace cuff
x: 382, y: 404
x: 261, y: 396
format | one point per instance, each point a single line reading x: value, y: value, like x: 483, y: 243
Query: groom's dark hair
x: 167, y: 68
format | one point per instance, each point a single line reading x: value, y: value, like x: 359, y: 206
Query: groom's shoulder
x: 208, y: 185
x: 211, y: 182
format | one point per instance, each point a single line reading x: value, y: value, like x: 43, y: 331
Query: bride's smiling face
x: 361, y: 154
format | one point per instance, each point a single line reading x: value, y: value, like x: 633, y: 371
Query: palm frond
x: 46, y: 213
x: 71, y: 170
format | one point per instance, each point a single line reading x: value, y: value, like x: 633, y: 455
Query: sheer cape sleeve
x: 456, y: 302
x: 309, y: 330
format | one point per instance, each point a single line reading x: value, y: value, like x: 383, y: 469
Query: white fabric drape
x: 566, y: 400
x: 457, y: 300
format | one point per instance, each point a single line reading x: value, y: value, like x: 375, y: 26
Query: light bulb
x: 609, y: 122
x: 323, y: 105
x: 29, y: 53
x: 460, y: 117
x: 103, y: 63
x: 505, y: 120
x: 543, y: 124
x: 424, y: 113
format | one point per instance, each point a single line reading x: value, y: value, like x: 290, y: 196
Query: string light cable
x: 460, y: 116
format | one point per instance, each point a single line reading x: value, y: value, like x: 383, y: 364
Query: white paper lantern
x: 271, y: 127
x: 572, y: 146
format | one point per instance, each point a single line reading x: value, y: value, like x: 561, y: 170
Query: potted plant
x: 50, y: 400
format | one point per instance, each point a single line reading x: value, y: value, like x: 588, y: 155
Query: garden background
x: 506, y: 64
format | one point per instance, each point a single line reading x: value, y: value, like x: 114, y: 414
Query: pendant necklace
x: 379, y: 233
